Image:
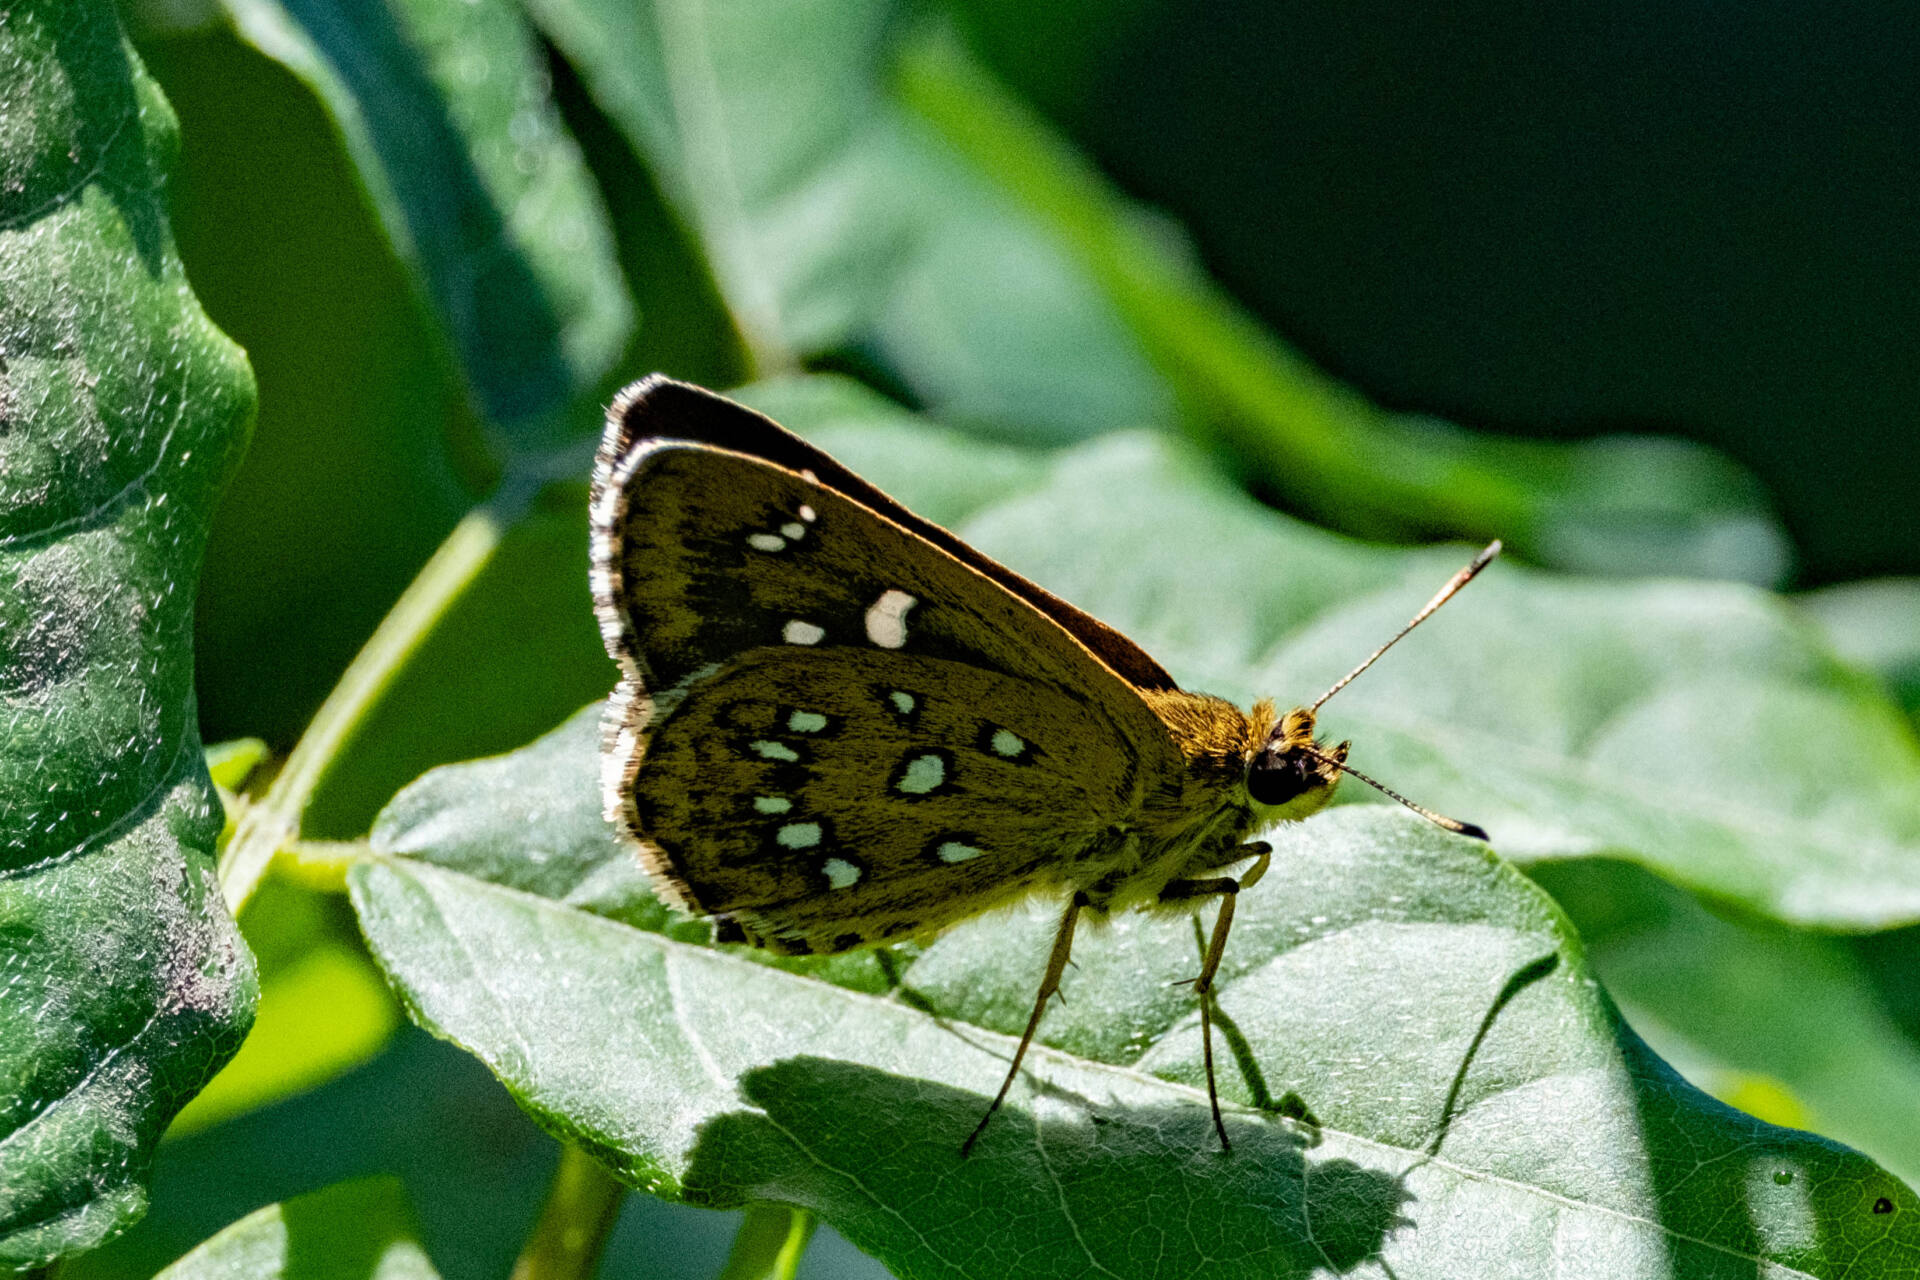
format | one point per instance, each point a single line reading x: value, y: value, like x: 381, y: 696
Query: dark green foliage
x: 122, y: 411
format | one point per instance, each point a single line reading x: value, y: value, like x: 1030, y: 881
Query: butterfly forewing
x: 658, y: 408
x: 798, y: 662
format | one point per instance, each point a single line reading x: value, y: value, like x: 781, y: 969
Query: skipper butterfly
x: 840, y: 726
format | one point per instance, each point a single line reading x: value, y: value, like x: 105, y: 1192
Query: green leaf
x: 1782, y: 1021
x: 1472, y: 1092
x: 122, y: 412
x: 421, y: 1111
x: 868, y: 197
x: 324, y: 1007
x: 1699, y: 729
x: 836, y: 224
x: 347, y: 485
x: 229, y: 763
x: 444, y: 108
x: 360, y: 1230
x: 1875, y: 625
x: 1120, y: 525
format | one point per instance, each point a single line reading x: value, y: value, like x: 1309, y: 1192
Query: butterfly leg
x: 1049, y: 985
x: 1227, y: 889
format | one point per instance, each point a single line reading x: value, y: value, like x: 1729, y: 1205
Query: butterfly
x: 840, y: 726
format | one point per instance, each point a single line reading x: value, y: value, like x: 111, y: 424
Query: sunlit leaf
x: 122, y: 411
x: 1781, y: 1022
x: 1360, y: 975
x: 1472, y: 1094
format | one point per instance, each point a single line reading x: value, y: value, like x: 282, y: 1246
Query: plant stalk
x: 769, y: 1244
x: 274, y: 821
x: 582, y: 1205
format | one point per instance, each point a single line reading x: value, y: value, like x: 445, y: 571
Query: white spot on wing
x: 766, y: 541
x: 806, y: 513
x: 923, y: 774
x: 794, y: 530
x: 771, y: 804
x: 774, y: 750
x: 806, y: 722
x: 887, y: 619
x: 1007, y: 743
x: 954, y: 851
x: 840, y: 872
x: 798, y: 835
x: 902, y: 701
x: 798, y: 632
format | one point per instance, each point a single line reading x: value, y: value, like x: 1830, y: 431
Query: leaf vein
x: 62, y: 198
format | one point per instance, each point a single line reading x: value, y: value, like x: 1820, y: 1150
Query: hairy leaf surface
x: 1476, y: 1096
x: 122, y: 411
x: 1422, y: 1074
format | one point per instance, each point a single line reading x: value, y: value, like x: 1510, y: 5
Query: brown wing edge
x: 631, y: 706
x: 622, y: 748
x: 658, y: 407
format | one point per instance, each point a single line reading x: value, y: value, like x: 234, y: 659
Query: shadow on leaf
x: 1066, y: 1188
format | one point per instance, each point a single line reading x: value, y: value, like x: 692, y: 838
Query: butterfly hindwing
x: 835, y: 797
x: 739, y: 591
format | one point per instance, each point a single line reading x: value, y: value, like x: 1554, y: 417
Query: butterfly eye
x: 1277, y: 776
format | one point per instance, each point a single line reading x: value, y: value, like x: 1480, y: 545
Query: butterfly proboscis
x: 840, y: 726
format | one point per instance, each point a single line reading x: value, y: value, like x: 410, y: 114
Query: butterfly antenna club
x: 1445, y: 594
x: 1440, y: 820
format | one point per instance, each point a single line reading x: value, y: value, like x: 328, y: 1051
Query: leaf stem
x: 582, y: 1205
x: 787, y: 1265
x: 770, y: 1243
x: 274, y: 821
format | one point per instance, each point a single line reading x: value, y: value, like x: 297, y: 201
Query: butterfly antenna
x: 1445, y: 594
x: 1440, y: 820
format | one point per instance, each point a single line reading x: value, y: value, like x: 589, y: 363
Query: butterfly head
x: 1292, y: 775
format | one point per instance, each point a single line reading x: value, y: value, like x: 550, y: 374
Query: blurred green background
x: 1695, y: 219
x: 1637, y: 218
